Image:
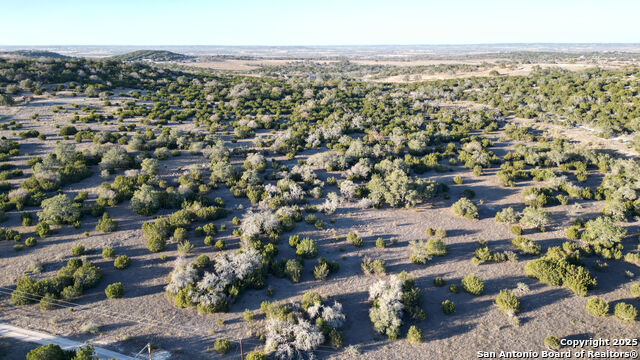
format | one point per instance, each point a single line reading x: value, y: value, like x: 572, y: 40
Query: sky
x: 326, y: 22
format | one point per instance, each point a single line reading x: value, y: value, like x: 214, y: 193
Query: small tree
x: 115, y: 158
x: 418, y: 252
x: 387, y: 309
x: 58, y: 210
x: 293, y: 269
x: 508, y: 302
x: 145, y: 201
x: 535, y: 216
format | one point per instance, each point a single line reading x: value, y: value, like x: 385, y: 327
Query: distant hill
x: 35, y: 54
x: 152, y: 55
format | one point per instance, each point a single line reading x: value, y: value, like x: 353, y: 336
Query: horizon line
x: 329, y: 45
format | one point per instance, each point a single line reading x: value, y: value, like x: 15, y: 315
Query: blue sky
x: 328, y: 22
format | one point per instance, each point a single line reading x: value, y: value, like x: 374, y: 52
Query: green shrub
x: 30, y: 242
x: 484, y: 254
x: 414, y: 335
x: 526, y: 246
x: 26, y: 218
x: 466, y: 208
x: 438, y: 282
x: 222, y: 346
x: 48, y: 302
x: 156, y: 244
x: 43, y: 229
x: 256, y: 355
x: 552, y: 342
x: 180, y: 234
x: 71, y: 292
x: 507, y: 302
x: 448, y: 307
x: 68, y: 130
x: 635, y: 290
x: 625, y: 312
x: 605, y: 236
x: 454, y: 288
x: 597, y: 307
x: 185, y: 247
x: 418, y: 252
x: 220, y: 245
x: 552, y: 270
x: 307, y: 248
x: 535, y: 216
x: 77, y: 250
x: 516, y: 230
x: 87, y: 276
x: 335, y: 339
x: 203, y: 261
x: 106, y: 224
x: 373, y: 267
x: 145, y: 200
x: 473, y: 285
x: 457, y: 180
x: 114, y: 291
x: 248, y: 315
x: 354, y: 239
x: 108, y: 252
x: 122, y: 262
x: 436, y: 247
x: 294, y: 240
x: 632, y: 258
x: 380, y: 244
x: 573, y: 232
x: 293, y: 270
x: 321, y: 271
x: 48, y: 352
x: 59, y: 210
x: 309, y: 299
x: 6, y: 100
x: 507, y: 215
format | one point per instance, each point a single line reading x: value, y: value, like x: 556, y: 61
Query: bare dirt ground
x: 146, y: 315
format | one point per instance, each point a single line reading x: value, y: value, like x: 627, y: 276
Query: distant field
x: 435, y: 209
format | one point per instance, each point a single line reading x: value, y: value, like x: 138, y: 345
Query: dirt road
x: 26, y: 335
